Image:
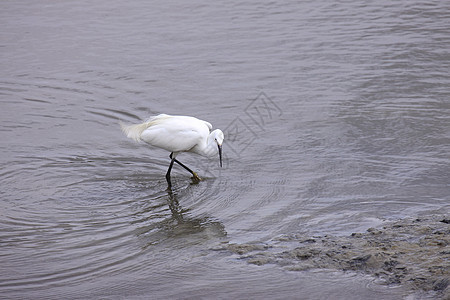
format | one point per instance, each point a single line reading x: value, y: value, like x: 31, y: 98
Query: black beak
x: 220, y: 154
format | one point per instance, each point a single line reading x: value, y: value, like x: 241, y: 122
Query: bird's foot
x: 195, y: 178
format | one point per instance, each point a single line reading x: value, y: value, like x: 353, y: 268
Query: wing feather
x: 172, y: 133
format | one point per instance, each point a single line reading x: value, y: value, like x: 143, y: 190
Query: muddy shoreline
x: 413, y: 252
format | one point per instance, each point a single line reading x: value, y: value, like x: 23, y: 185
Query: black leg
x: 168, y: 172
x: 184, y: 166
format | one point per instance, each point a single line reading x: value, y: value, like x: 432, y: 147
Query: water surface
x: 336, y: 118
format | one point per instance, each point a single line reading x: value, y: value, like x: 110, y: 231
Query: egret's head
x: 218, y: 138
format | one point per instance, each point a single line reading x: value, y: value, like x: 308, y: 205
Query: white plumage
x: 178, y: 134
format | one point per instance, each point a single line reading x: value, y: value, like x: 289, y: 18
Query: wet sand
x: 414, y: 253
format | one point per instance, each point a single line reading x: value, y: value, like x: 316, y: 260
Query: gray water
x: 336, y: 119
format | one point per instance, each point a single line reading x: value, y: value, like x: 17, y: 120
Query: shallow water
x: 336, y: 118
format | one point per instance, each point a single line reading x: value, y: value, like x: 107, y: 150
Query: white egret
x: 178, y: 134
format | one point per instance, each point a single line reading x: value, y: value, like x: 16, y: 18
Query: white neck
x: 211, y: 148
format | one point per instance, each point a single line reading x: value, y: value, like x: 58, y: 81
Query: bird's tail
x: 134, y: 131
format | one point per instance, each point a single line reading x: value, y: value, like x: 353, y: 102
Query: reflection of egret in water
x: 179, y: 225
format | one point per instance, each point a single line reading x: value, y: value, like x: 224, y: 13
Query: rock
x: 410, y: 252
x: 245, y: 248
